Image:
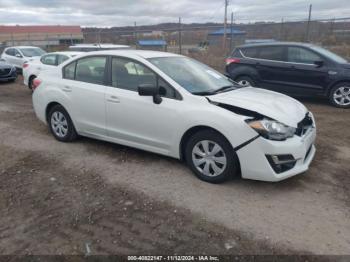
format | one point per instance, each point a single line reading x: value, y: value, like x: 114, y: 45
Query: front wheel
x: 61, y: 125
x: 211, y: 157
x: 339, y: 95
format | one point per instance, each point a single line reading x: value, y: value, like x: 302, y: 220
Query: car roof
x: 98, y: 46
x: 129, y: 52
x: 275, y: 44
x: 22, y: 46
x: 68, y: 53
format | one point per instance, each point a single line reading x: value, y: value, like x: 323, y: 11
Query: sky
x: 108, y: 13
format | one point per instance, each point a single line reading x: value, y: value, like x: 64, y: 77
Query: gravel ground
x: 92, y: 197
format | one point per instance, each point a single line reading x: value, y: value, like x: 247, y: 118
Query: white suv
x: 175, y: 106
x: 17, y: 55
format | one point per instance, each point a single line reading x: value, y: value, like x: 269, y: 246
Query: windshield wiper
x: 206, y: 93
x: 225, y: 89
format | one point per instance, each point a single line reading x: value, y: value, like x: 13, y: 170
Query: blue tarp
x: 228, y: 31
x: 152, y: 43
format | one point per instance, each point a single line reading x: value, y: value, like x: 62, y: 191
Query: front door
x: 304, y: 77
x: 136, y: 120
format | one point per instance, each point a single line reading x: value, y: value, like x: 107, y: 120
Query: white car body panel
x: 122, y: 116
x: 35, y: 66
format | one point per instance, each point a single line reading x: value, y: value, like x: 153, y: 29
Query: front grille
x: 304, y: 125
x: 5, y: 72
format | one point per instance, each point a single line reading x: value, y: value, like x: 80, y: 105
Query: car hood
x: 270, y: 104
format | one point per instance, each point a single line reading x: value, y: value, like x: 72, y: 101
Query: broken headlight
x: 272, y: 129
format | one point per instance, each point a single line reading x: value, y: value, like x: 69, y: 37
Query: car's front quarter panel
x: 201, y: 113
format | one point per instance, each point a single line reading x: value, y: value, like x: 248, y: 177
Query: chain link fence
x: 203, y: 42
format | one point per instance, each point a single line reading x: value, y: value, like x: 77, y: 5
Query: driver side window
x: 128, y: 74
x: 17, y: 53
x: 301, y: 55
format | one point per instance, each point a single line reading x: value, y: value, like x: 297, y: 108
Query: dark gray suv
x: 297, y: 69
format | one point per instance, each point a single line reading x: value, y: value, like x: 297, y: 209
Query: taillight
x: 232, y: 60
x: 36, y: 83
x: 25, y: 65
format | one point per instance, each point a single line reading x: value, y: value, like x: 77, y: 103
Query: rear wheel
x: 30, y: 82
x: 61, y: 125
x: 245, y: 81
x: 339, y: 95
x: 211, y: 157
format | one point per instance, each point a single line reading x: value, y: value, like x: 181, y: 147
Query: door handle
x: 113, y: 99
x: 67, y: 89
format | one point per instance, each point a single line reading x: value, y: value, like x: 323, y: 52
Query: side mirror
x: 319, y: 63
x: 150, y: 90
x: 18, y: 55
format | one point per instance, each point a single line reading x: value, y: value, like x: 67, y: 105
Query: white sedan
x: 34, y: 66
x: 175, y: 106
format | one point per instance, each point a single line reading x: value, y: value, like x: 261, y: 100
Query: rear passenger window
x: 69, y: 71
x: 48, y: 60
x: 301, y: 55
x: 91, y: 70
x: 271, y: 53
x: 236, y: 53
x: 249, y: 52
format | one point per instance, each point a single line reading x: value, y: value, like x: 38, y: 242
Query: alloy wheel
x: 341, y: 96
x: 209, y: 158
x: 59, y: 124
x: 244, y: 83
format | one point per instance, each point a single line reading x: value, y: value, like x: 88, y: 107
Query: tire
x: 339, y: 96
x: 245, y: 81
x: 30, y: 82
x: 205, y: 162
x: 61, y: 125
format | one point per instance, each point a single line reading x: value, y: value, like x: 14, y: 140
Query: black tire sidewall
x: 247, y: 78
x: 232, y: 166
x: 331, y: 94
x: 30, y: 82
x: 71, y: 134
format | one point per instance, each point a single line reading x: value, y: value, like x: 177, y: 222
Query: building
x: 216, y: 37
x: 159, y: 45
x: 42, y: 36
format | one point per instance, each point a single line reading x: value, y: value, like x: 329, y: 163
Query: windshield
x: 329, y: 54
x: 30, y: 52
x: 192, y: 75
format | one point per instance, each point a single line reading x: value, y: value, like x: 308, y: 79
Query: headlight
x: 271, y: 129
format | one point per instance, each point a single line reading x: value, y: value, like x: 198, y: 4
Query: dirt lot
x: 91, y: 197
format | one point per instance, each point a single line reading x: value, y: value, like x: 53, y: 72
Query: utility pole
x: 180, y: 37
x: 231, y: 31
x: 281, y: 29
x: 225, y: 26
x: 308, y: 24
x: 135, y: 35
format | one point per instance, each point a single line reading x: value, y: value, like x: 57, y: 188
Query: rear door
x: 271, y: 66
x: 84, y: 84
